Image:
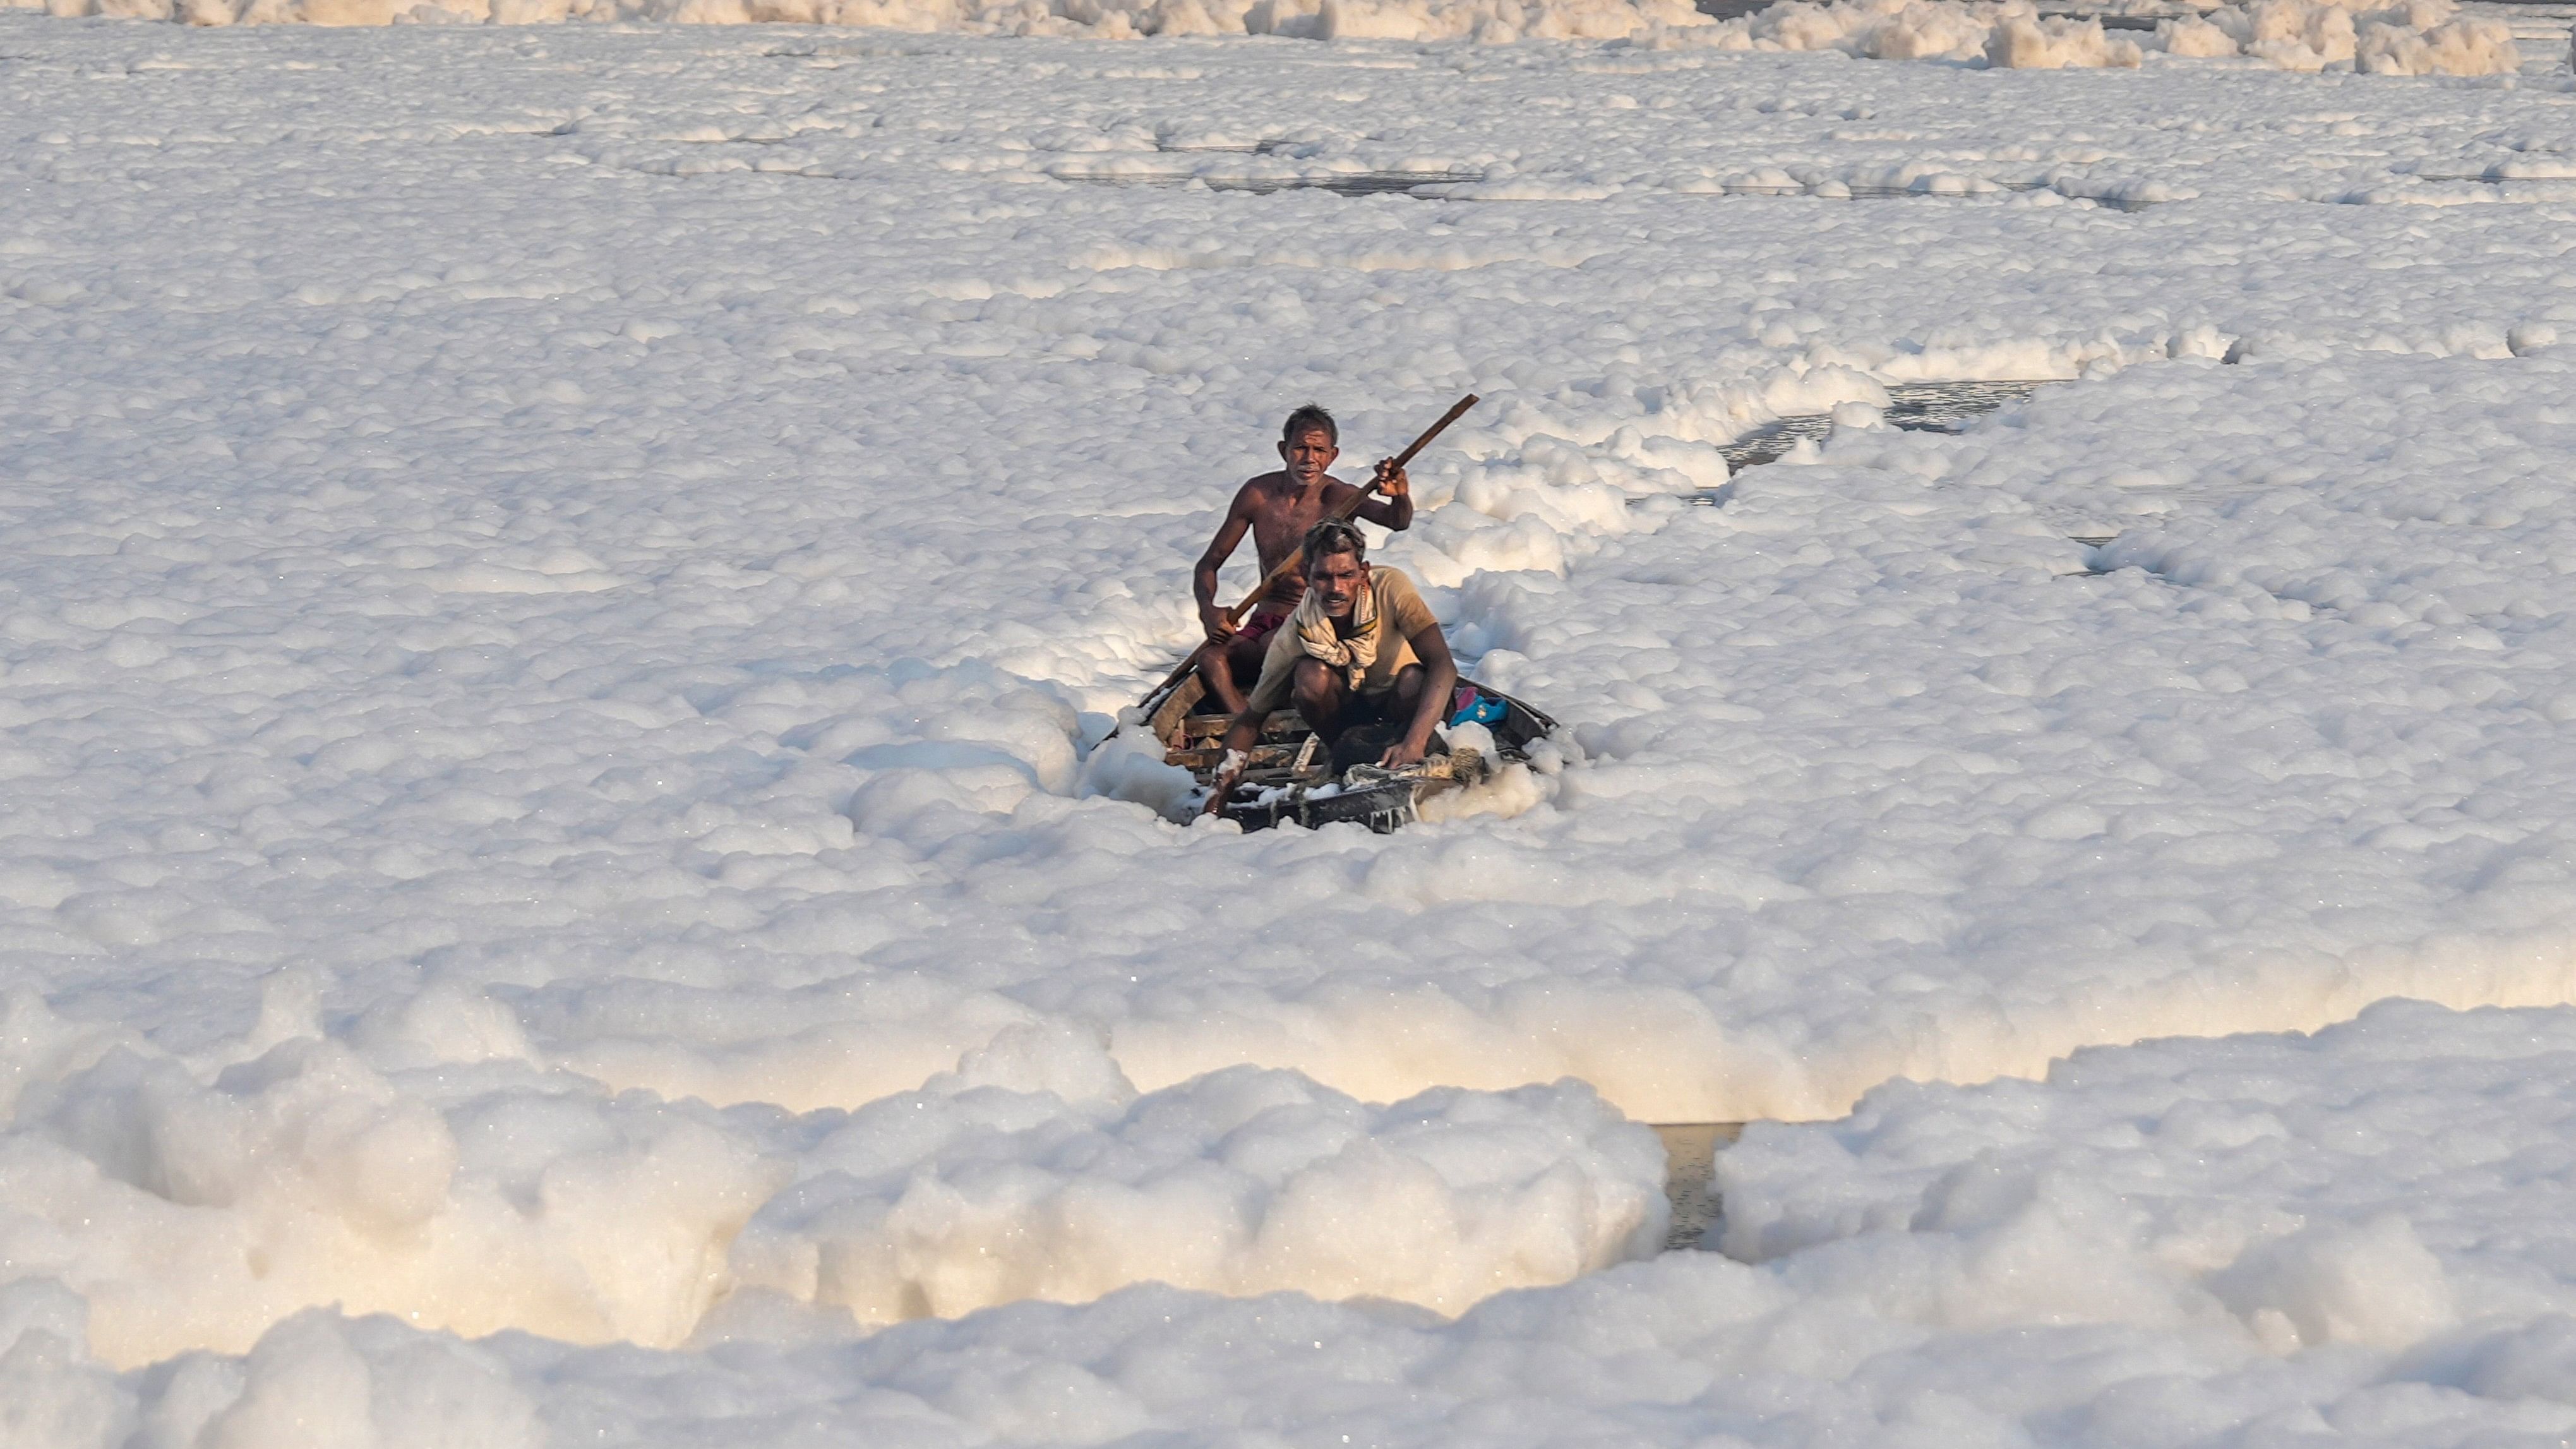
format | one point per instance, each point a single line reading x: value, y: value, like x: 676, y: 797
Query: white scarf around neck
x: 1317, y: 636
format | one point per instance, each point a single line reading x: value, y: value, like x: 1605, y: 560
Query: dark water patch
x: 2492, y: 176
x: 1740, y: 9
x: 1349, y: 183
x: 2094, y: 565
x: 1690, y: 1150
x: 1392, y: 182
x: 1916, y: 407
x: 1444, y: 185
x: 1845, y: 191
x: 1258, y: 148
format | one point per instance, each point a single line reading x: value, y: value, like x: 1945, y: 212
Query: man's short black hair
x: 1332, y: 536
x: 1312, y: 415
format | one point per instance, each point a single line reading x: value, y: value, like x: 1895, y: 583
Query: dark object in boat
x: 1292, y: 776
x: 1366, y: 744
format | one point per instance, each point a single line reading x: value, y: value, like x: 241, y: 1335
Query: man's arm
x: 1268, y: 693
x: 1238, y: 518
x: 1237, y: 744
x: 1393, y: 510
x: 1439, y: 682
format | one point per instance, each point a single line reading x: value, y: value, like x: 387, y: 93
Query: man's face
x: 1337, y: 579
x: 1308, y: 454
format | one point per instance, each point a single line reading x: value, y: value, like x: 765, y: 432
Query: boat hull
x: 1290, y: 778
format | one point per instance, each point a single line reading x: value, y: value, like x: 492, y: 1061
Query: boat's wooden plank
x: 1287, y: 755
x: 1175, y: 709
x: 1283, y: 724
x: 1206, y: 757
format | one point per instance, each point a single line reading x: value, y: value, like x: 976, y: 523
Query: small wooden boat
x: 1292, y: 774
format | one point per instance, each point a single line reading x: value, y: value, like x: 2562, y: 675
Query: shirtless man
x: 1278, y: 508
x: 1362, y: 648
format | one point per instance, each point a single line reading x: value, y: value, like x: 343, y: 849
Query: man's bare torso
x: 1280, y: 514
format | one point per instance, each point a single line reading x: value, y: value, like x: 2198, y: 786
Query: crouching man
x: 1361, y: 648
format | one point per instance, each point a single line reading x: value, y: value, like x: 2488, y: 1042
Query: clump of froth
x: 194, y: 1212
x: 971, y: 1193
x: 1490, y: 21
x: 427, y: 1165
x: 2417, y: 37
x: 2288, y: 1191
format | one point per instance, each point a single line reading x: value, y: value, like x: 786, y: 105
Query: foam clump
x: 2185, y: 1242
x: 194, y: 1208
x: 2468, y: 45
x: 2297, y: 34
x: 1245, y: 1181
x: 196, y: 1202
x: 1130, y: 765
x: 2025, y: 43
x: 1491, y: 21
x: 2418, y: 37
x: 2357, y: 1187
x: 2010, y: 34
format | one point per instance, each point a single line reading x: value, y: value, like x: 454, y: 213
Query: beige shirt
x: 1400, y: 612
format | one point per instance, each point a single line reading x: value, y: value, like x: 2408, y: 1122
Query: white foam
x: 2419, y: 37
x: 2326, y: 1190
x: 525, y: 719
x: 196, y: 1206
x: 1242, y: 1182
x: 1489, y: 21
x: 2423, y: 37
x: 2176, y: 1242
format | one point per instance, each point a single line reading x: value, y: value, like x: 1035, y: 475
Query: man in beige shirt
x: 1361, y: 648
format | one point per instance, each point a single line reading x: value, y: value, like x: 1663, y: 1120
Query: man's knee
x: 1317, y: 683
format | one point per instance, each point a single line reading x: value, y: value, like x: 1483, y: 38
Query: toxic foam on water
x: 553, y: 771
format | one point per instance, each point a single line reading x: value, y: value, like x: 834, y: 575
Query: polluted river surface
x: 1917, y: 407
x: 1484, y: 187
x: 566, y: 885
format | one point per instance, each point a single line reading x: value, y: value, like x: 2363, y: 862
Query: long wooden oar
x: 1154, y: 697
